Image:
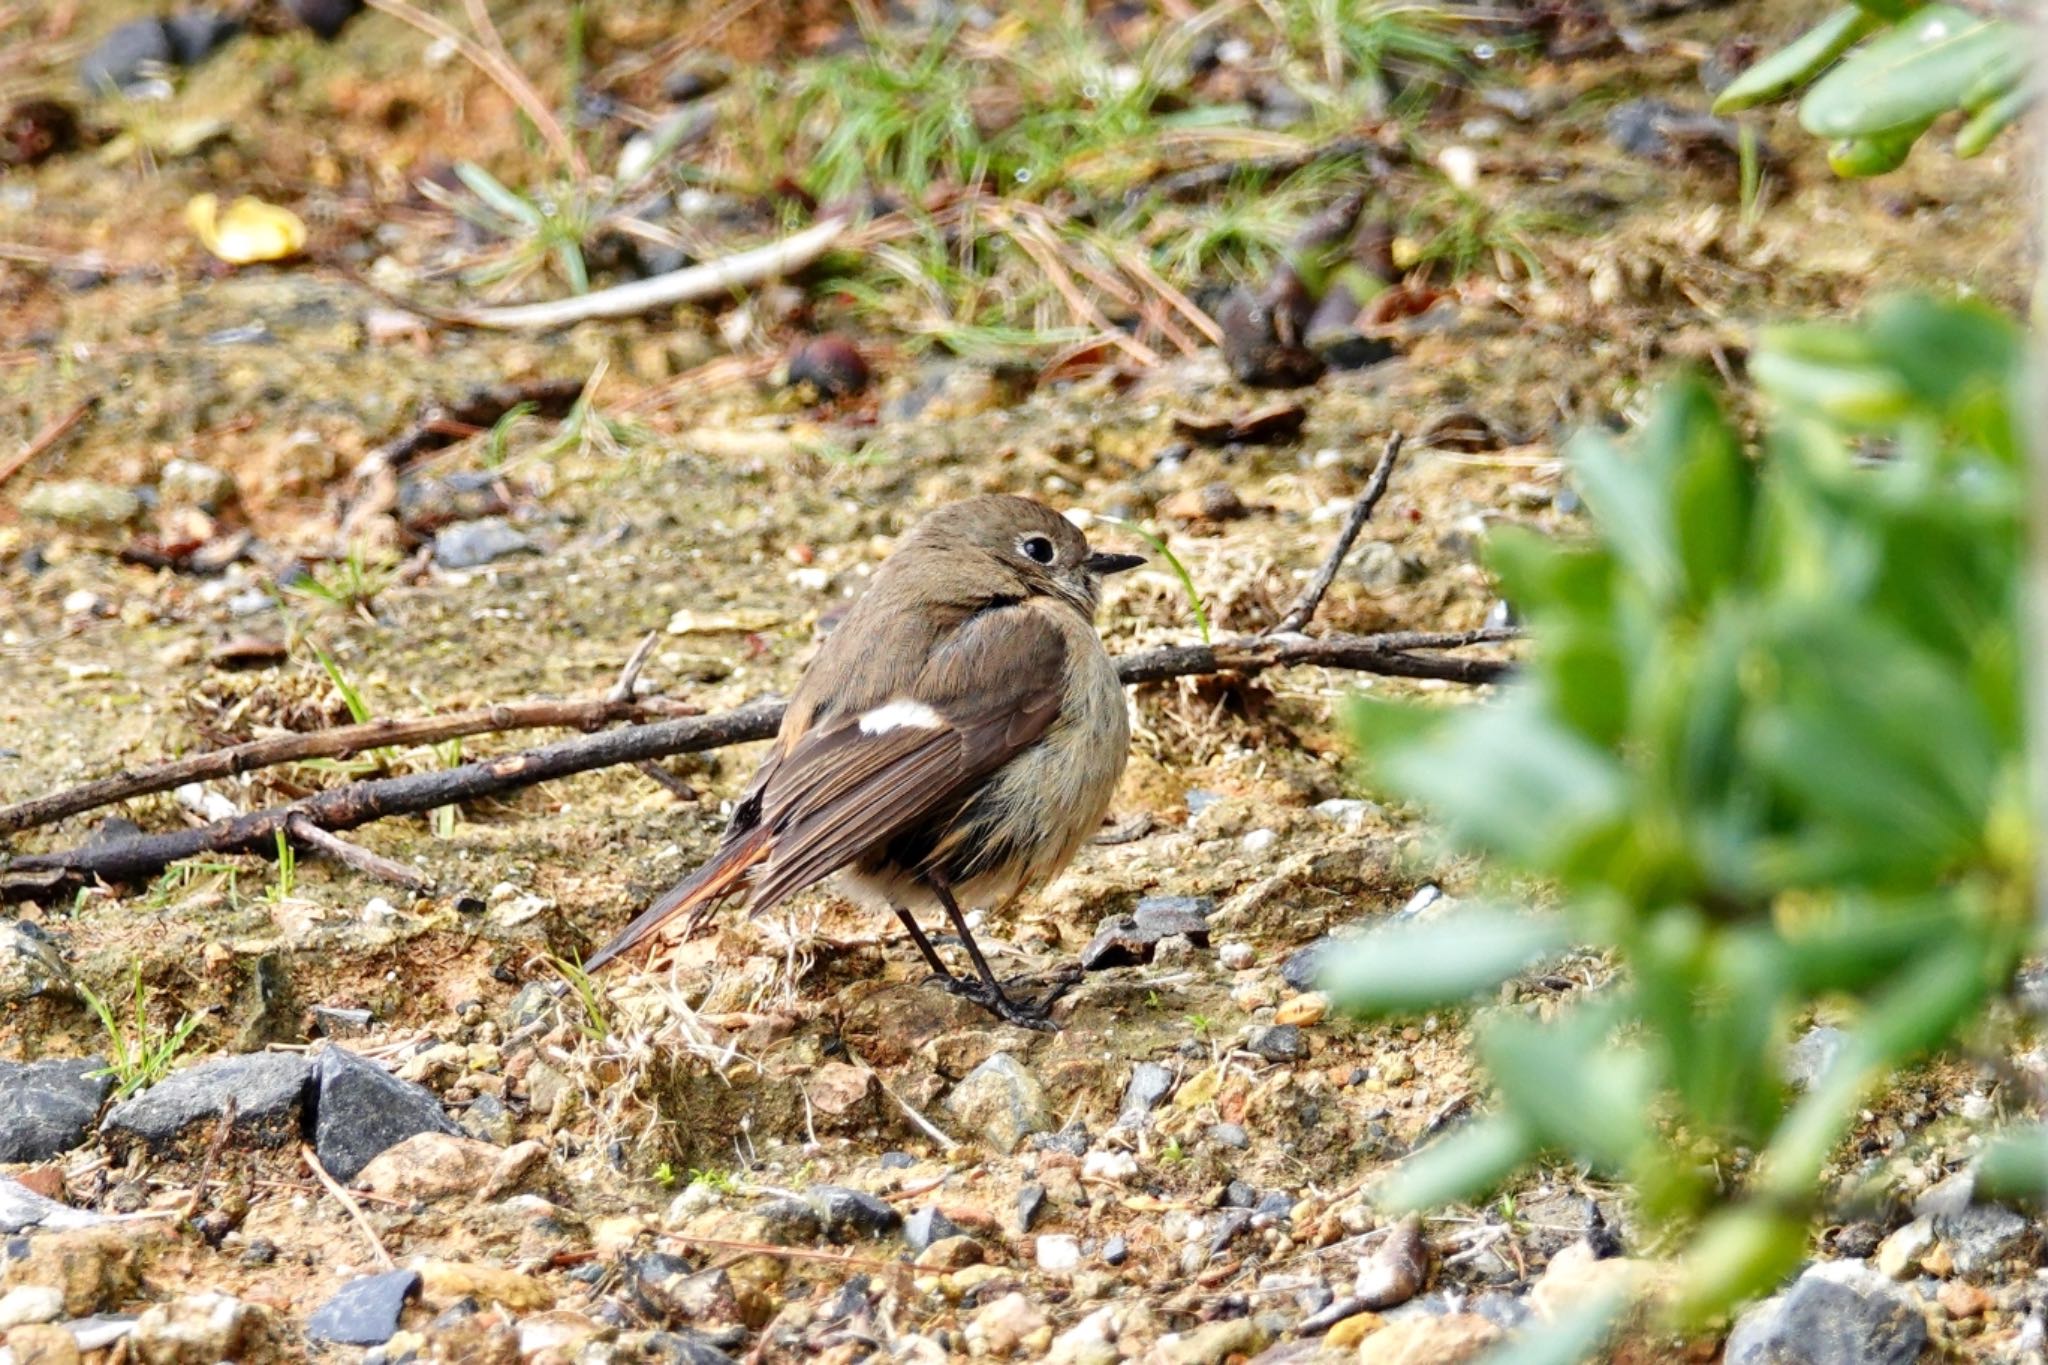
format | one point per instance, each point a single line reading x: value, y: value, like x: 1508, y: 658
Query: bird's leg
x: 924, y: 944
x: 986, y: 992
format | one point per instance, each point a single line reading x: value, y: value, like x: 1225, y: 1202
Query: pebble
x: 326, y: 18
x: 1001, y: 1102
x: 268, y: 1090
x: 82, y: 502
x: 669, y: 1289
x: 1212, y: 1343
x: 126, y: 56
x: 1809, y: 1058
x: 1303, y: 967
x: 1396, y: 1269
x: 1009, y: 1325
x: 1277, y: 1043
x: 29, y: 1303
x: 1303, y: 1010
x: 47, y: 1108
x: 950, y: 1253
x: 1235, y: 955
x: 1259, y: 841
x: 1116, y: 1251
x: 1228, y: 1135
x: 831, y: 365
x: 1030, y: 1202
x: 361, y: 1110
x: 21, y: 1208
x: 849, y: 1213
x: 199, y: 1329
x: 1443, y: 1340
x: 431, y: 1166
x: 1116, y: 1167
x: 1149, y: 1084
x: 1837, y: 1313
x: 928, y: 1225
x: 472, y: 544
x: 1058, y: 1253
x: 445, y: 1282
x: 364, y: 1311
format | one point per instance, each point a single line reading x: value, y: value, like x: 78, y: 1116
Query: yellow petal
x: 247, y: 230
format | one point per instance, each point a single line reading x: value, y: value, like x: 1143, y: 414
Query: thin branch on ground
x: 53, y: 431
x: 355, y: 1210
x: 1305, y: 606
x: 304, y: 832
x: 343, y: 741
x: 1399, y: 654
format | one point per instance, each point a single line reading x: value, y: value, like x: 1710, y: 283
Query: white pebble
x: 1058, y: 1253
x: 1259, y: 840
x: 812, y: 578
x: 502, y: 892
x: 210, y: 805
x: 1100, y: 1165
x: 379, y: 911
x: 81, y: 603
x: 1460, y: 166
x: 1235, y: 955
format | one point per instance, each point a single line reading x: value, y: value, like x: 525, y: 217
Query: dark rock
x: 1228, y: 1135
x: 360, y: 1110
x: 1239, y: 1195
x: 1274, y: 1204
x: 1159, y: 916
x: 1149, y: 1084
x: 1304, y: 966
x: 1228, y: 1227
x: 1072, y: 1140
x: 1030, y: 1202
x: 831, y: 365
x: 928, y: 1225
x: 259, y: 1251
x: 1261, y: 340
x: 673, y: 1292
x: 197, y: 34
x: 426, y: 504
x: 335, y: 1022
x: 129, y: 55
x: 1278, y: 1043
x: 488, y: 1120
x: 533, y: 1003
x: 1116, y: 1251
x: 682, y: 1348
x: 47, y: 1108
x: 790, y: 1221
x: 32, y: 131
x: 1659, y: 131
x: 268, y: 1089
x: 473, y: 544
x: 896, y: 1161
x: 365, y: 1311
x: 327, y: 18
x: 1838, y: 1313
x: 851, y: 1213
x: 1117, y: 944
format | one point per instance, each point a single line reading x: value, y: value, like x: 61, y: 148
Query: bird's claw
x: 1000, y: 1005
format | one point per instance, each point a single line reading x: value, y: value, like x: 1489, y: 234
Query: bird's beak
x: 1101, y: 564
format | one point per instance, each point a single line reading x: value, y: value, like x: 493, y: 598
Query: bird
x: 959, y: 735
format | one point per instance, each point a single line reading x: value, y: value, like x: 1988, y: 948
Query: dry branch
x: 343, y: 741
x: 1304, y: 609
x: 1402, y: 654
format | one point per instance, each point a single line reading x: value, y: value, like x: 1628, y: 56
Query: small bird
x: 960, y: 734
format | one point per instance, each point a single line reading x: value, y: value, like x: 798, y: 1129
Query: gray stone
x: 22, y: 1208
x: 1030, y: 1203
x: 268, y: 1089
x: 682, y: 1348
x: 472, y: 544
x: 790, y: 1221
x: 365, y: 1311
x: 673, y: 1292
x: 126, y: 56
x: 1149, y: 1084
x: 1001, y: 1102
x: 1809, y: 1058
x: 1159, y: 916
x: 1228, y: 1135
x: 47, y: 1108
x: 30, y: 966
x: 1304, y: 966
x: 360, y: 1110
x: 928, y: 1225
x: 1278, y: 1043
x: 848, y: 1213
x: 1838, y: 1313
x: 1984, y: 1237
x: 1116, y: 1251
x: 197, y: 34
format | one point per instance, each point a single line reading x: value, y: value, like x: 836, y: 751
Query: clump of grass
x: 1375, y: 56
x: 594, y: 1023
x: 541, y: 228
x: 139, y: 1053
x: 1165, y: 552
x: 351, y: 583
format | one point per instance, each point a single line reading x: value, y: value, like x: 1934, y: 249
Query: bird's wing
x: 990, y: 689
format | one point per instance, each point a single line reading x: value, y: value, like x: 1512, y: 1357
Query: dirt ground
x: 730, y: 517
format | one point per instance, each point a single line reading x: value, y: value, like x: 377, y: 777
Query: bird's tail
x: 723, y: 877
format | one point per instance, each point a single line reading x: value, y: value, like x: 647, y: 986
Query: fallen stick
x: 1304, y: 609
x: 343, y: 741
x: 52, y: 432
x: 355, y: 1210
x: 688, y: 285
x: 1400, y: 654
x: 304, y: 832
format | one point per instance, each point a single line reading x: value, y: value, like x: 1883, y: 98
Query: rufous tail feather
x: 723, y: 877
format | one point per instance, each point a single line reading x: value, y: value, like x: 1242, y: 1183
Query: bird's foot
x: 999, y: 1004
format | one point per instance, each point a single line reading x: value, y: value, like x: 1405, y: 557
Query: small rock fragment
x: 1445, y: 1340
x: 1213, y: 502
x: 444, y: 1282
x: 1278, y: 1043
x: 927, y: 1226
x: 1837, y: 1313
x: 848, y: 1213
x: 29, y: 1303
x: 326, y: 18
x: 950, y: 1253
x: 364, y: 1311
x: 1001, y: 1102
x: 1303, y: 1010
x: 1030, y: 1201
x: 1809, y: 1058
x: 472, y: 544
x: 1058, y: 1253
x: 201, y: 1329
x: 128, y: 55
x: 1397, y: 1268
x: 831, y: 365
x: 267, y: 1088
x: 360, y: 1110
x: 1149, y: 1084
x: 673, y: 1293
x: 1007, y: 1326
x: 1898, y: 1256
x: 431, y: 1166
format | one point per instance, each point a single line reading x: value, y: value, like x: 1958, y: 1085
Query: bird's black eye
x: 1039, y: 548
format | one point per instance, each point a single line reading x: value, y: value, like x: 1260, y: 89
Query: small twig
x: 53, y: 431
x: 675, y: 786
x: 629, y: 676
x: 786, y: 1253
x: 925, y: 1125
x: 304, y: 831
x: 214, y: 1146
x: 1303, y: 611
x: 355, y: 1210
x: 707, y: 280
x: 343, y: 741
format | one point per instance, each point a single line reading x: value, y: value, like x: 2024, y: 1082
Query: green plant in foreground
x: 139, y: 1054
x: 1768, y: 749
x: 1874, y: 99
x: 349, y: 584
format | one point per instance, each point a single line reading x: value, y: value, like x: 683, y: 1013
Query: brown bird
x: 959, y: 735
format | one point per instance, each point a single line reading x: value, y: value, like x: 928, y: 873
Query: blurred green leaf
x: 1574, y: 1094
x: 1798, y: 62
x: 1463, y: 1164
x: 1829, y: 371
x: 1574, y: 1336
x: 2014, y: 1166
x: 1874, y: 154
x: 494, y: 193
x: 1626, y: 496
x: 1443, y: 959
x: 1919, y: 70
x: 1737, y: 1254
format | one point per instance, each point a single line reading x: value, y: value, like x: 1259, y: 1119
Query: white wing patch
x: 897, y: 715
